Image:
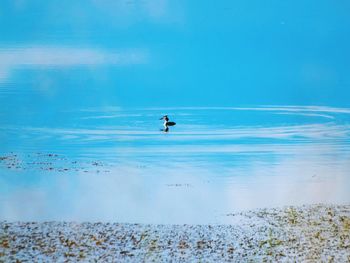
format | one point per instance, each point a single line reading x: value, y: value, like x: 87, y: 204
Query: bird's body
x: 169, y: 123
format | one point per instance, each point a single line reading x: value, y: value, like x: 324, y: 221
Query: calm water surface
x: 114, y: 164
x: 67, y: 152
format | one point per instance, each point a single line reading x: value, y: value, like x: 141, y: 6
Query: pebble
x: 312, y: 233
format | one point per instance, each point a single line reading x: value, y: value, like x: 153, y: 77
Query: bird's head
x: 165, y: 117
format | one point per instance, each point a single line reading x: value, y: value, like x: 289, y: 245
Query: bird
x: 167, y: 123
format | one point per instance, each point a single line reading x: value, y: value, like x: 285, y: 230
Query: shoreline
x: 311, y: 232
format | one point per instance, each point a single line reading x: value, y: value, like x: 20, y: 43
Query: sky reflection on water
x: 214, y: 162
x: 88, y: 81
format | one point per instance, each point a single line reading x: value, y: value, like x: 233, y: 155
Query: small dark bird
x: 167, y: 123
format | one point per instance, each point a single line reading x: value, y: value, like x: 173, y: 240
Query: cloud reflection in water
x: 196, y: 174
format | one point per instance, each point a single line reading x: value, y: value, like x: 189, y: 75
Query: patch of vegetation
x: 292, y: 215
x: 271, y: 241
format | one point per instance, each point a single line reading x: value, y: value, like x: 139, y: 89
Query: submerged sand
x: 307, y: 233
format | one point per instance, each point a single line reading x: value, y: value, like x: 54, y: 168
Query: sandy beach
x: 310, y: 233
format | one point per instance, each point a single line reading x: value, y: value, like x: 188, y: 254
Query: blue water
x: 83, y: 85
x: 114, y: 164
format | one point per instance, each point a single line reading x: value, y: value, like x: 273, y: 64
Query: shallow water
x: 114, y: 164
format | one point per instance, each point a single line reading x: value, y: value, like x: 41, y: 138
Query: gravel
x: 310, y: 233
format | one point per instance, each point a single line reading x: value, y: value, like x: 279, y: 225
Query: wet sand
x: 306, y: 233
